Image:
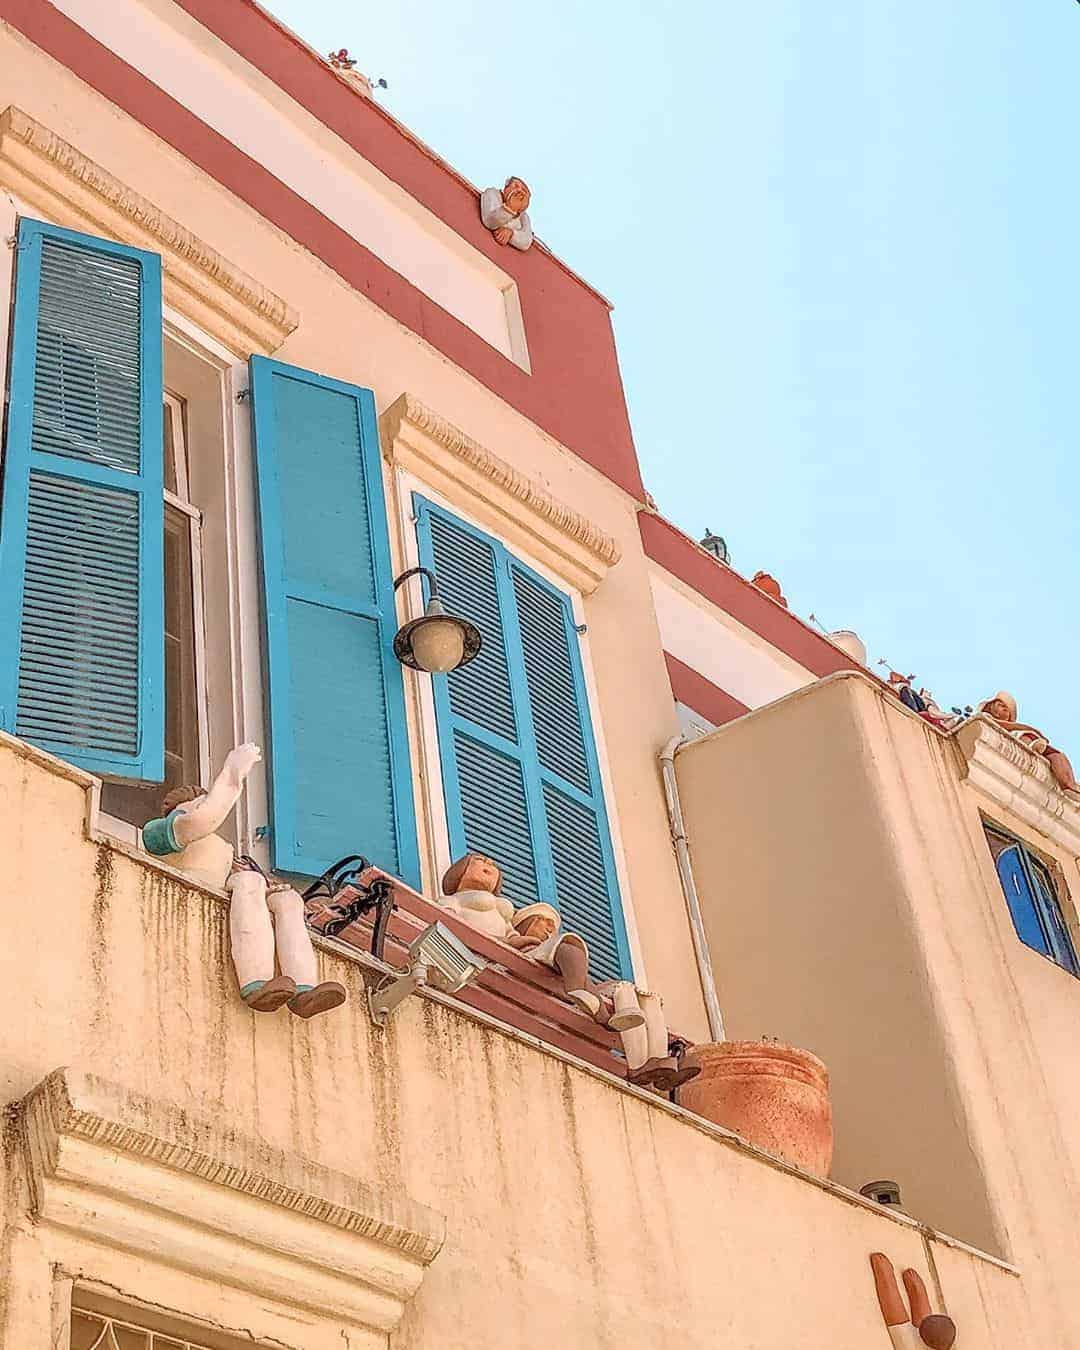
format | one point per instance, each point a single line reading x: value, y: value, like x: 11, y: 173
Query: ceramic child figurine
x: 265, y: 914
x: 1002, y: 709
x: 635, y: 1014
x: 506, y: 214
x: 920, y: 1327
x: 471, y: 890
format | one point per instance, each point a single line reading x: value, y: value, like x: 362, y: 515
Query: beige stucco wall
x: 578, y: 1212
x: 344, y: 335
x: 852, y: 906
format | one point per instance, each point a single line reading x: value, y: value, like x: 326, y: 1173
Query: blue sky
x: 842, y: 241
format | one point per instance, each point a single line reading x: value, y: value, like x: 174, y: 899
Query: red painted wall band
x: 679, y: 555
x: 706, y: 699
x: 575, y: 391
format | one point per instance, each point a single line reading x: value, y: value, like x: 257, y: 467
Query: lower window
x: 98, y: 1331
x: 1032, y: 893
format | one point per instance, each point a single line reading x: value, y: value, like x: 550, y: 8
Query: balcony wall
x: 852, y: 907
x: 577, y: 1211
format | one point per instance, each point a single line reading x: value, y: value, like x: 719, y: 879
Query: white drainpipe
x: 686, y: 876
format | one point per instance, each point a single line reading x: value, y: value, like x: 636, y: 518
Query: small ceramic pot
x: 775, y: 1096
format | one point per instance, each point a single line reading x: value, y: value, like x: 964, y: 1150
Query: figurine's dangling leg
x: 659, y: 1069
x: 252, y: 937
x: 296, y: 956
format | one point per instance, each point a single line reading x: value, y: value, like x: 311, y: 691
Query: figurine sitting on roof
x: 471, y: 890
x: 769, y: 586
x: 265, y: 914
x: 506, y: 213
x: 1002, y: 710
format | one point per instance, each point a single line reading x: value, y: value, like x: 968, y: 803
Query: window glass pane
x: 135, y: 802
x: 170, y: 451
x: 1022, y: 902
x: 87, y: 1332
x: 1060, y: 939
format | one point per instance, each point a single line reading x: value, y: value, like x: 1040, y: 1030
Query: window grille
x: 96, y: 1331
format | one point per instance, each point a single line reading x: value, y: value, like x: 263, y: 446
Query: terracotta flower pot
x: 775, y: 1096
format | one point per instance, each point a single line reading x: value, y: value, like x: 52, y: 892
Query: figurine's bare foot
x: 240, y: 762
x: 270, y: 994
x: 311, y: 1002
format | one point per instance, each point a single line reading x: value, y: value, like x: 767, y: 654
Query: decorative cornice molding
x: 106, y: 1159
x: 56, y: 178
x: 1013, y: 776
x: 592, y: 548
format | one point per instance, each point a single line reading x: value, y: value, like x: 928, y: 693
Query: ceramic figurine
x: 636, y: 1014
x: 471, y: 891
x: 506, y: 213
x: 914, y: 1329
x: 266, y: 914
x: 1002, y: 710
x: 770, y: 586
x: 902, y: 687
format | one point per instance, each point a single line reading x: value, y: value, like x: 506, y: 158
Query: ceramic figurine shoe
x: 268, y: 995
x: 310, y: 1001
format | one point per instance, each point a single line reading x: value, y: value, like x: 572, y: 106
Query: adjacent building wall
x: 853, y: 907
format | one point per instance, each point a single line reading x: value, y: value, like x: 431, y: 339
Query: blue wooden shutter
x: 339, y: 751
x: 81, y: 533
x: 520, y: 773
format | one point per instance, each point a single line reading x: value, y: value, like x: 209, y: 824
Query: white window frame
x: 420, y: 704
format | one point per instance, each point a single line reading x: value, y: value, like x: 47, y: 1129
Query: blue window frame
x: 1032, y: 897
x: 82, y: 632
x: 520, y: 772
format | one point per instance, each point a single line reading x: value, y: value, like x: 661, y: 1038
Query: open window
x: 185, y: 730
x: 1032, y: 893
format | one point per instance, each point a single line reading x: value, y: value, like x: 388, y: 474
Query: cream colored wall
x: 808, y: 911
x: 343, y: 335
x: 578, y: 1211
x: 174, y: 50
x: 717, y: 646
x: 853, y: 906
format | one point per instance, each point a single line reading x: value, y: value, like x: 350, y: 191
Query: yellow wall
x: 852, y: 906
x: 578, y: 1212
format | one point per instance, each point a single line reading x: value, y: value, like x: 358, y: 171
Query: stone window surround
x: 1006, y: 773
x: 126, y: 1191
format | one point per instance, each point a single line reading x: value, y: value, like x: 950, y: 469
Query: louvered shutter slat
x: 81, y: 534
x: 479, y: 691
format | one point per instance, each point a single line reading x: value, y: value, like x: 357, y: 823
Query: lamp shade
x: 437, y: 642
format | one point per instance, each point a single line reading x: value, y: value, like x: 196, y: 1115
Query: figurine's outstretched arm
x: 491, y: 208
x: 522, y: 237
x: 207, y: 814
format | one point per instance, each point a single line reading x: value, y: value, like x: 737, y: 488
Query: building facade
x: 262, y: 357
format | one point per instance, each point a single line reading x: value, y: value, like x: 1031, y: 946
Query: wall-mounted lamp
x: 437, y: 958
x: 437, y: 641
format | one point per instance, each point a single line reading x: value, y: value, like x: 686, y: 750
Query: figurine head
x: 537, y: 921
x: 1002, y: 707
x: 516, y: 195
x: 178, y: 796
x: 474, y: 872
